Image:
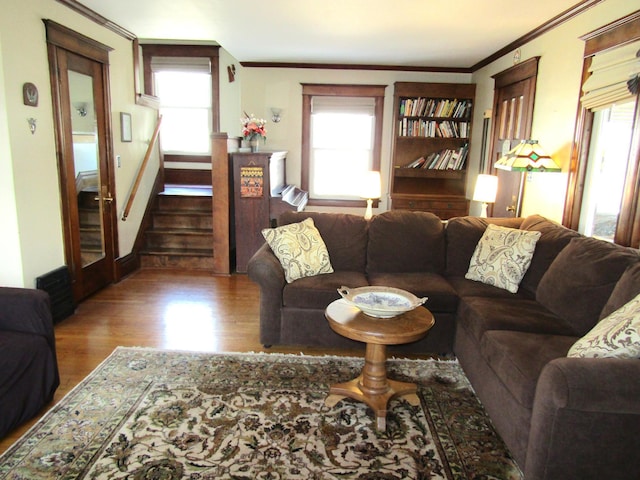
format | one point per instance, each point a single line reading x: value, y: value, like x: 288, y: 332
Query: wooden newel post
x: 220, y: 198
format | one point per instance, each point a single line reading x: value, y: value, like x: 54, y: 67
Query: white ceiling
x: 430, y: 33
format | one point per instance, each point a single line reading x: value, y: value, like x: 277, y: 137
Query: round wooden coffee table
x: 372, y: 386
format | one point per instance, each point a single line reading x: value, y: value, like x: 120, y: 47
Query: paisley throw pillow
x: 300, y: 249
x: 502, y: 257
x: 616, y: 336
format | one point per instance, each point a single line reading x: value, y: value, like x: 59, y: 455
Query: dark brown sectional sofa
x: 28, y: 363
x: 562, y: 418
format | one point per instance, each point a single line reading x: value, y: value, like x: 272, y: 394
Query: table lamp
x: 485, y: 191
x: 370, y: 189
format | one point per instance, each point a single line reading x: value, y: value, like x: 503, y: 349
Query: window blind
x: 352, y: 105
x: 181, y: 64
x: 610, y: 72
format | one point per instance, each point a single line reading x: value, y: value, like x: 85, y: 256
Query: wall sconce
x: 81, y: 108
x: 32, y: 124
x: 370, y: 188
x: 275, y: 114
x: 485, y: 191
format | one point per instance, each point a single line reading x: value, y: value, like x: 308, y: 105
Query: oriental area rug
x: 164, y: 415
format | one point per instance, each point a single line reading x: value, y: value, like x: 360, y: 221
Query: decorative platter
x: 381, y: 302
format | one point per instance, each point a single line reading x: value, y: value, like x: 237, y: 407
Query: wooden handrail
x: 136, y: 184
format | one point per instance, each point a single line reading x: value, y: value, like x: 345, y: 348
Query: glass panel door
x: 86, y: 163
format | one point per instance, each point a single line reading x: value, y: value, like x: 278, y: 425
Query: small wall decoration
x: 30, y: 94
x: 251, y: 182
x: 125, y: 127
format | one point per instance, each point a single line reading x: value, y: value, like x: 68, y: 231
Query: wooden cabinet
x: 432, y: 130
x: 257, y: 179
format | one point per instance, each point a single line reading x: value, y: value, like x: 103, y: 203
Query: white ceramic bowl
x: 381, y: 302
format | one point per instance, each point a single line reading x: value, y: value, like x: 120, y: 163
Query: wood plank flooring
x: 161, y: 309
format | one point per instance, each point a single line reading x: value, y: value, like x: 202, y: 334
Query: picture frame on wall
x: 125, y: 127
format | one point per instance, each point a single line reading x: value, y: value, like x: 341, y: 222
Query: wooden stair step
x: 178, y: 259
x: 193, y: 203
x: 179, y: 238
x: 182, y: 219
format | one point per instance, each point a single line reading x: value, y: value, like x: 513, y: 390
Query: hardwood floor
x: 162, y: 309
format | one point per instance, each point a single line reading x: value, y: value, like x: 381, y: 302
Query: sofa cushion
x: 479, y: 314
x: 517, y: 358
x: 462, y: 234
x: 344, y: 235
x: 616, y: 336
x: 502, y: 257
x: 580, y: 280
x: 441, y: 296
x: 300, y: 249
x: 404, y: 241
x: 471, y: 288
x: 319, y: 291
x: 553, y: 239
x: 625, y: 290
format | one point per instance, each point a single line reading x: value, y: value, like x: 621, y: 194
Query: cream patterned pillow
x: 502, y: 257
x: 615, y: 336
x: 300, y: 249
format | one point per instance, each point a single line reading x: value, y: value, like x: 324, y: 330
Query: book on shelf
x: 435, y: 107
x: 417, y: 163
x: 446, y: 159
x: 431, y: 128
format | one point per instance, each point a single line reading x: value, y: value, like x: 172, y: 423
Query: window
x: 611, y: 69
x: 341, y: 140
x: 185, y: 106
x: 606, y: 170
x: 185, y: 80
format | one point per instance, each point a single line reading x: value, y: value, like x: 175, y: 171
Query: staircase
x: 181, y: 233
x: 90, y: 228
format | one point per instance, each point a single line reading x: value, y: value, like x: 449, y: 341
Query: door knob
x: 511, y: 208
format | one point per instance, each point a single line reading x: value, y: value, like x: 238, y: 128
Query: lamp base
x: 484, y: 212
x: 369, y: 212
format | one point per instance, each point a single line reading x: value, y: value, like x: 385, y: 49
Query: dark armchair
x: 28, y: 363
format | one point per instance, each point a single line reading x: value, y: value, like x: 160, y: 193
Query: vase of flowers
x: 253, y: 130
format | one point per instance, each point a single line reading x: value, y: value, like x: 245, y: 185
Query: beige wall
x: 30, y: 218
x: 557, y: 95
x: 32, y: 241
x: 263, y: 88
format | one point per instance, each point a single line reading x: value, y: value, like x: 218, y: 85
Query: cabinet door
x: 251, y: 204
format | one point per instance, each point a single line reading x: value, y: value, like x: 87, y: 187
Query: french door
x: 513, y: 113
x: 83, y: 133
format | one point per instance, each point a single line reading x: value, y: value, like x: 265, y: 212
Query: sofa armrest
x: 265, y: 269
x: 26, y: 310
x: 585, y: 421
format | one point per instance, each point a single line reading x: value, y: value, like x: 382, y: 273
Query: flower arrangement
x: 253, y: 127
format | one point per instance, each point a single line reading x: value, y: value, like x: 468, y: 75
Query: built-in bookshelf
x: 431, y: 146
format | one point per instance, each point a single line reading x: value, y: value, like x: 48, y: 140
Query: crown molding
x: 541, y: 30
x: 97, y: 18
x: 354, y: 66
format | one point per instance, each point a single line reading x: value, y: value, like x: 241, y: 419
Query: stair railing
x: 136, y: 184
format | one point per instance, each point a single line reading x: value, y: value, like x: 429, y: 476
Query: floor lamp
x: 485, y: 191
x: 526, y: 157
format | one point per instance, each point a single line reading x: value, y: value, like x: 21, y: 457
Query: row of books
x: 431, y: 128
x: 435, y: 107
x: 447, y: 159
